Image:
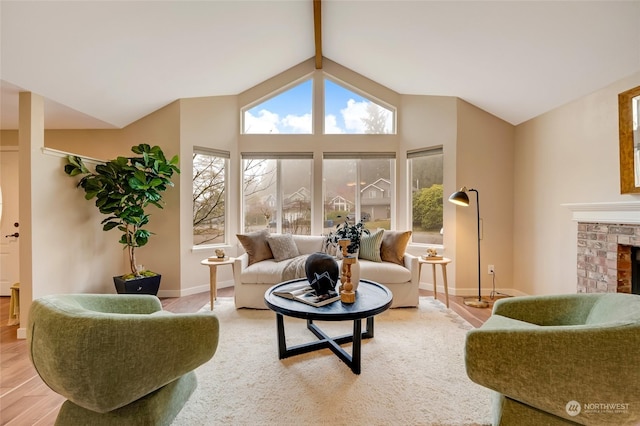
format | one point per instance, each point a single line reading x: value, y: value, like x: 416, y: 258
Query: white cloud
x: 266, y: 122
x: 353, y: 114
x: 297, y: 123
x: 331, y: 125
x: 269, y: 122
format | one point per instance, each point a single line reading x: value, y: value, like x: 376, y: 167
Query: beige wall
x: 162, y: 252
x: 484, y: 161
x: 98, y: 144
x: 8, y: 138
x: 213, y: 123
x: 567, y: 155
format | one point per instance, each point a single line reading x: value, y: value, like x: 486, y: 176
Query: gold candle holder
x: 347, y: 295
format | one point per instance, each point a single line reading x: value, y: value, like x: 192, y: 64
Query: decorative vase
x: 322, y: 272
x: 355, y: 274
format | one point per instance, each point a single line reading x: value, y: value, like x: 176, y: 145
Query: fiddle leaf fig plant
x: 123, y: 189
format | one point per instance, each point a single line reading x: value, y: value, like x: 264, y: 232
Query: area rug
x: 412, y: 374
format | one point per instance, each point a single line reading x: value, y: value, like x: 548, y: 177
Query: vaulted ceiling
x: 107, y: 64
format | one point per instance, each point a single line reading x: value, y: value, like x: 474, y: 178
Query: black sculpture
x: 322, y: 272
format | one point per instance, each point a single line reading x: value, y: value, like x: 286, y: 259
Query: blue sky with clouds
x: 290, y: 111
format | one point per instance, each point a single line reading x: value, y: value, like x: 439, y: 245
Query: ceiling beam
x: 317, y: 26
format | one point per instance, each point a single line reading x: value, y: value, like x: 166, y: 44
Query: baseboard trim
x: 192, y: 290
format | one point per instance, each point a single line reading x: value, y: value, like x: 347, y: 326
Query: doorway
x: 9, y: 220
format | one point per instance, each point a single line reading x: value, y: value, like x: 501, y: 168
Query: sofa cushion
x: 383, y: 272
x: 370, y: 246
x: 271, y: 272
x: 394, y: 244
x: 308, y: 244
x: 282, y: 246
x: 256, y: 246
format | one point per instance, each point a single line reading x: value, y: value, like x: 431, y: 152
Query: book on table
x: 304, y: 293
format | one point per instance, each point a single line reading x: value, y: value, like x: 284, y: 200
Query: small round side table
x: 213, y: 273
x: 433, y: 262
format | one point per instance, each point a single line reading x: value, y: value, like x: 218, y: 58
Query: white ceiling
x: 107, y: 64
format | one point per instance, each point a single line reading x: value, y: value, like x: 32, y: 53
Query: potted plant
x: 124, y: 188
x: 351, y: 232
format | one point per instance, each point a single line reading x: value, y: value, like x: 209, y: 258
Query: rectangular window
x: 277, y: 192
x: 209, y: 194
x: 358, y: 187
x: 426, y: 175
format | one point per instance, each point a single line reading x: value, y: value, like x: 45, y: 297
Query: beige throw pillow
x: 282, y: 246
x: 256, y: 246
x: 394, y: 244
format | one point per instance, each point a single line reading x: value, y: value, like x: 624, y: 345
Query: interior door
x: 9, y: 226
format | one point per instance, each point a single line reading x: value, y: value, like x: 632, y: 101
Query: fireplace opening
x: 635, y: 270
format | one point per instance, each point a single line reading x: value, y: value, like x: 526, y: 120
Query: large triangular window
x: 346, y: 112
x: 288, y: 112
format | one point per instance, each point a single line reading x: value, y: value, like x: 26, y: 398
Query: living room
x: 531, y: 173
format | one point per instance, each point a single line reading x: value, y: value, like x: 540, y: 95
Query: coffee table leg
x: 325, y: 341
x: 357, y: 346
x: 282, y: 342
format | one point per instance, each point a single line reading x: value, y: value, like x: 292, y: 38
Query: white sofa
x: 252, y: 281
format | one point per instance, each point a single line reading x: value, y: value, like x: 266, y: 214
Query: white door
x: 9, y: 227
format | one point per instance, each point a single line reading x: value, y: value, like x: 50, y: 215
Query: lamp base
x: 476, y: 303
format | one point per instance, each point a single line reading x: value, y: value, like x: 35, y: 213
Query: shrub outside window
x: 426, y: 174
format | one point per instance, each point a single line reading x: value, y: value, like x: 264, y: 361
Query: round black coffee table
x: 371, y: 299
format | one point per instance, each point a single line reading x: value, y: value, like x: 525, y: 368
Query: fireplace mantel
x: 622, y: 212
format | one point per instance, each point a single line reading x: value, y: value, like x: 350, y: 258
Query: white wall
x: 567, y: 155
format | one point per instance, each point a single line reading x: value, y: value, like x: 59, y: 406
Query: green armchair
x: 555, y: 360
x: 118, y: 359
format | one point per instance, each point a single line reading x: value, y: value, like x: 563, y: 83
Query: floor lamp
x: 461, y: 198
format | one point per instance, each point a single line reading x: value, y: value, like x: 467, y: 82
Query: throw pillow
x: 282, y: 246
x: 394, y: 244
x: 370, y: 246
x: 256, y: 246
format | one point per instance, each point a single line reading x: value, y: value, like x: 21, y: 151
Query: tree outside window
x: 209, y: 194
x: 277, y: 195
x: 426, y: 169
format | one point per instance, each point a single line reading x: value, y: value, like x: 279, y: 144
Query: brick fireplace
x: 608, y: 236
x: 604, y: 256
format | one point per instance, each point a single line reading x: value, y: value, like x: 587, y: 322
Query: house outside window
x: 209, y: 196
x: 426, y: 174
x: 358, y: 187
x: 277, y: 192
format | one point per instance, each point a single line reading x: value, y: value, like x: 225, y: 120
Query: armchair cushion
x: 103, y: 352
x: 545, y: 351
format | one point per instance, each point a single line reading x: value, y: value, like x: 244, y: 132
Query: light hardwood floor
x: 25, y: 400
